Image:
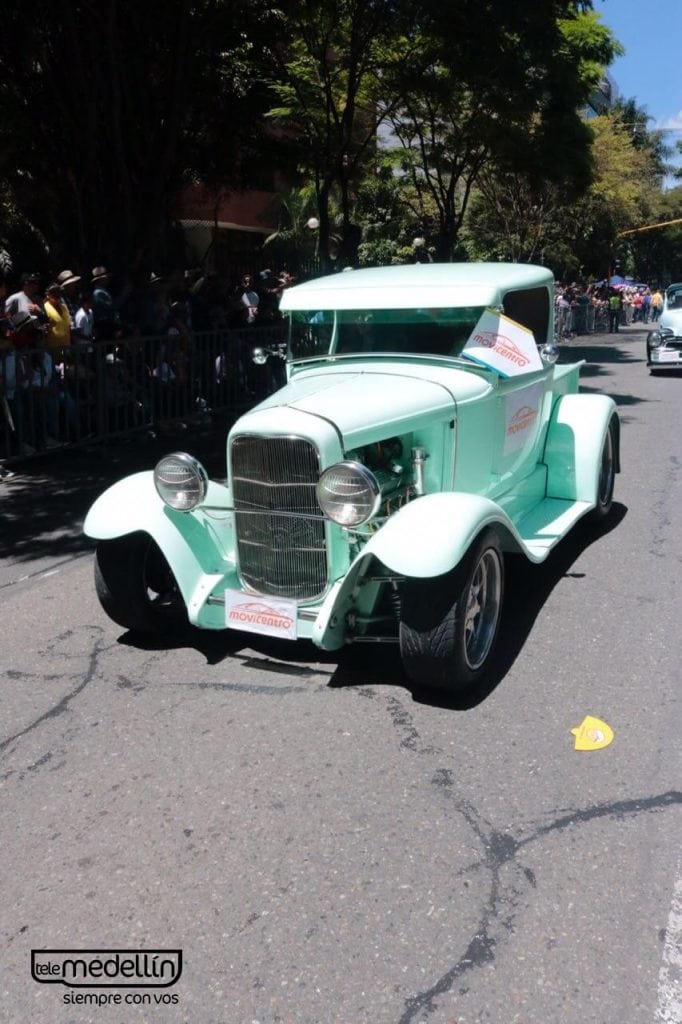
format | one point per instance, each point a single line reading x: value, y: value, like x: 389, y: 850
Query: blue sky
x: 650, y: 71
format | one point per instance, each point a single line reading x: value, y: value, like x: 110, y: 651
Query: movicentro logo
x: 107, y: 968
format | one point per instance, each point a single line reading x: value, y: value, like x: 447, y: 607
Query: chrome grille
x: 280, y: 553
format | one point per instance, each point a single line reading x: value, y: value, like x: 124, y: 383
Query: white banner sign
x: 503, y: 345
x: 268, y: 616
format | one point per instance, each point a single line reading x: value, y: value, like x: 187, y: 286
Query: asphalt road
x: 325, y: 845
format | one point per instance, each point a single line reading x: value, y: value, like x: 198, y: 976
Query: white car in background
x: 664, y: 343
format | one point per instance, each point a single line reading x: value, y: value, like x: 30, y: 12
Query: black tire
x: 136, y: 587
x: 445, y: 643
x: 607, y: 478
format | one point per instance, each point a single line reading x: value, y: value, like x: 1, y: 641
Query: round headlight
x: 654, y: 339
x: 348, y: 493
x: 181, y: 481
x: 259, y: 356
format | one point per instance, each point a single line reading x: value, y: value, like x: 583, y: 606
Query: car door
x: 523, y: 402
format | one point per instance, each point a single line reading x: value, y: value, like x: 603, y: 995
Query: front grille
x: 279, y: 553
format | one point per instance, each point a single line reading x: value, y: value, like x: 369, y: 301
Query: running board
x: 548, y: 523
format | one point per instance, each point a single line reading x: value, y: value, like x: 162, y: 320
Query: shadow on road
x: 43, y: 506
x: 601, y: 358
x: 598, y: 358
x: 527, y: 589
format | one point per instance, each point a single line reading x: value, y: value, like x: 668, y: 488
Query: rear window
x: 530, y: 307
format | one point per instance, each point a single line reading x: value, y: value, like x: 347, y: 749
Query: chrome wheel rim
x: 482, y: 608
x: 606, y: 471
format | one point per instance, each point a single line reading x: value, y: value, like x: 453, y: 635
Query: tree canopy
x: 106, y: 109
x: 459, y: 125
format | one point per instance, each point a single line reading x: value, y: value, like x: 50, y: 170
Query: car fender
x: 198, y: 549
x: 573, y: 448
x: 428, y: 537
x: 431, y: 535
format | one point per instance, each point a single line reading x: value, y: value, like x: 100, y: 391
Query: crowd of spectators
x: 141, y: 343
x: 147, y: 335
x: 600, y: 307
x: 99, y: 312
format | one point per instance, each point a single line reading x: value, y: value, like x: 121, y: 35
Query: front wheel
x: 449, y: 624
x: 136, y: 587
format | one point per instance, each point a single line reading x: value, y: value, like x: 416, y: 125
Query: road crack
x: 501, y: 849
x: 62, y: 705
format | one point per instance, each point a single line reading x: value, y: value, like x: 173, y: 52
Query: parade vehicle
x: 664, y: 342
x: 426, y: 430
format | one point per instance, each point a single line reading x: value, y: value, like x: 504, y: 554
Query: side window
x: 530, y: 307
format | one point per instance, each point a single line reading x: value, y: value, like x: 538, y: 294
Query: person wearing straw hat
x: 67, y: 281
x: 104, y: 313
x: 58, y: 318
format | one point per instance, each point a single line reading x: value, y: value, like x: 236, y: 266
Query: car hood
x: 392, y: 396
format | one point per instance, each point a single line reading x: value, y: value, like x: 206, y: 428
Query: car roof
x: 431, y: 285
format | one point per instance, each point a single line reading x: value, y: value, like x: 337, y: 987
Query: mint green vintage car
x: 426, y: 430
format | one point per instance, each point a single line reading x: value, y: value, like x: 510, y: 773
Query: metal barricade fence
x: 584, y: 318
x: 95, y: 392
x: 599, y: 319
x: 563, y: 322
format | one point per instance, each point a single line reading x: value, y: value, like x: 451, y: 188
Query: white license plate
x: 669, y: 357
x: 263, y: 615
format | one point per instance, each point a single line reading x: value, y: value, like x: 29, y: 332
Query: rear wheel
x: 449, y: 625
x: 607, y: 478
x: 136, y: 587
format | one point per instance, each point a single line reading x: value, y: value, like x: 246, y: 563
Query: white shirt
x: 19, y: 303
x: 250, y: 300
x: 84, y: 323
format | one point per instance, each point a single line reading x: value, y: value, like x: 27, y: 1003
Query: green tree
x: 621, y: 196
x: 636, y: 120
x: 656, y: 252
x: 295, y: 239
x: 501, y: 88
x: 518, y: 216
x: 392, y: 222
x: 330, y: 90
x: 106, y: 110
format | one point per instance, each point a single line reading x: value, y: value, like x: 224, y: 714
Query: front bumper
x: 664, y: 358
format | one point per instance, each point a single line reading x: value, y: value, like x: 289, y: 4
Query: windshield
x: 439, y: 332
x: 674, y: 297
